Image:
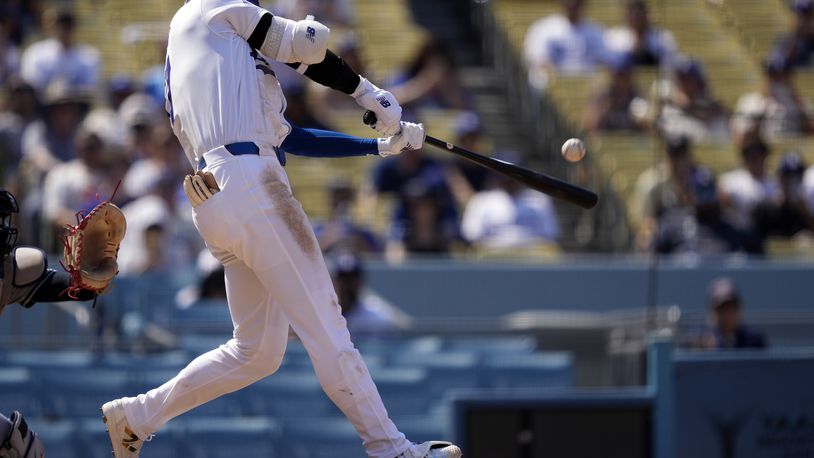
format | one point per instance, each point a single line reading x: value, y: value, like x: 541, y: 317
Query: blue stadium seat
x: 445, y: 370
x: 95, y: 443
x: 421, y: 428
x: 58, y: 437
x: 492, y: 345
x: 81, y: 393
x: 50, y: 359
x: 18, y: 391
x: 198, y: 344
x: 388, y: 350
x: 211, y: 316
x: 288, y: 394
x: 536, y: 370
x: 230, y: 437
x: 403, y: 390
x: 320, y: 437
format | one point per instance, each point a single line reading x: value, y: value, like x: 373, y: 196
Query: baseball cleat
x: 126, y: 444
x: 432, y: 449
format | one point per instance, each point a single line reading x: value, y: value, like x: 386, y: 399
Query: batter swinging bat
x: 535, y: 180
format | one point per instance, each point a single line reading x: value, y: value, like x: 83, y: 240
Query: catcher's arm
x: 92, y: 248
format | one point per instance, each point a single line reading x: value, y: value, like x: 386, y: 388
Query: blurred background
x: 671, y: 321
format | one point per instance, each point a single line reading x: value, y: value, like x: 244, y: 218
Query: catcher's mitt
x: 92, y: 247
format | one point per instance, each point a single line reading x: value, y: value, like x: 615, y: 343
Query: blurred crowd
x: 74, y: 133
x: 680, y: 206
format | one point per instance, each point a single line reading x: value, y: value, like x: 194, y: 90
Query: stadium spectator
x: 677, y: 209
x: 119, y: 88
x: 808, y: 186
x: 19, y: 109
x: 789, y: 215
x: 9, y: 57
x: 639, y: 40
x: 566, y: 44
x: 81, y: 183
x: 750, y: 185
x: 139, y: 113
x: 20, y: 18
x: 797, y: 46
x: 367, y: 313
x: 691, y: 109
x: 615, y: 107
x: 465, y: 177
x: 726, y: 330
x: 163, y: 158
x: 431, y: 79
x: 509, y: 215
x: 339, y: 231
x: 414, y: 179
x: 210, y: 287
x: 60, y: 57
x: 426, y: 222
x: 158, y: 239
x: 50, y: 141
x: 779, y: 109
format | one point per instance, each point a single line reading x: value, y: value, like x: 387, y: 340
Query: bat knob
x: 369, y: 118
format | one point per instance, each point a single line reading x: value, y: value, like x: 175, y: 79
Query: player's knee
x: 264, y: 359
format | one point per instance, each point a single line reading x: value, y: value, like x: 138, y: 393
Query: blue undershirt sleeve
x: 326, y: 143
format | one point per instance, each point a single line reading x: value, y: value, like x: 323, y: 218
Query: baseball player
x: 25, y: 278
x: 17, y: 440
x: 226, y: 107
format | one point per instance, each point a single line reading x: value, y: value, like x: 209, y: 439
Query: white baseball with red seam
x: 573, y: 150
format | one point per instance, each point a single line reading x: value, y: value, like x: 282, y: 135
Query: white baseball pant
x: 275, y: 277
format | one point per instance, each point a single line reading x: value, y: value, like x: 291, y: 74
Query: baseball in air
x: 573, y: 150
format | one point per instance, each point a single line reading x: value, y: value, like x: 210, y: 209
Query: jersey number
x: 168, y: 92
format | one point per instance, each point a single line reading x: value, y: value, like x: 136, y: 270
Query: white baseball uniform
x: 219, y: 94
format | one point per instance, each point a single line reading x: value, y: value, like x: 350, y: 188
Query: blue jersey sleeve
x: 326, y: 143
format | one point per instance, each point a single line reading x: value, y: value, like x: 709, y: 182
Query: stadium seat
x: 445, y: 370
x: 230, y: 437
x: 81, y: 393
x: 526, y: 371
x: 19, y: 391
x: 287, y: 394
x: 95, y: 442
x: 321, y: 437
x: 403, y: 390
x: 58, y: 437
x: 492, y: 345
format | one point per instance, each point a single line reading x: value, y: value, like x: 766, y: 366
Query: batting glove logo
x: 310, y: 33
x: 383, y: 101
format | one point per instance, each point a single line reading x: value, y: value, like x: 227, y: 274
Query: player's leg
x: 277, y: 241
x: 256, y: 351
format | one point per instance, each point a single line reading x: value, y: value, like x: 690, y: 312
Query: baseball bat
x: 535, y: 180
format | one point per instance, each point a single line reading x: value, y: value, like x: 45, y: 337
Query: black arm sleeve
x: 53, y: 288
x: 332, y: 72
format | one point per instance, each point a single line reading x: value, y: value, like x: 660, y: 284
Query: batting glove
x: 410, y: 138
x: 381, y: 102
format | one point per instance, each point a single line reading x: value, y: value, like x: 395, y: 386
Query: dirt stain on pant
x: 291, y: 213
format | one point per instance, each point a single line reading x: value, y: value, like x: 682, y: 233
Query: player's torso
x: 214, y: 96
